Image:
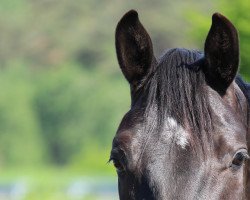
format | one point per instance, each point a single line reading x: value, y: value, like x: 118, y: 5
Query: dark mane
x: 245, y: 87
x: 176, y: 90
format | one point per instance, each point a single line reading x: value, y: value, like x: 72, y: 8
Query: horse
x: 186, y: 133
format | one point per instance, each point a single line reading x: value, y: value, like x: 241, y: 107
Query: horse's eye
x: 118, y: 165
x: 239, y: 159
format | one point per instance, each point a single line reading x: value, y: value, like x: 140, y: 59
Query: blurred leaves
x: 54, y: 114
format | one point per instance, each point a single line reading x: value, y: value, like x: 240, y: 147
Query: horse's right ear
x: 134, y: 49
x: 221, y: 53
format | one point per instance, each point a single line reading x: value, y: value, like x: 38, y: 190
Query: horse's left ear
x: 134, y: 49
x: 221, y: 53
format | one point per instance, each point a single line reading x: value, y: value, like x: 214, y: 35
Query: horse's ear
x: 134, y: 48
x: 221, y: 53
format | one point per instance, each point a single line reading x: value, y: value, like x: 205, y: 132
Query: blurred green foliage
x: 52, y: 115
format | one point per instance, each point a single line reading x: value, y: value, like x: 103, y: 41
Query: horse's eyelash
x: 247, y: 157
x: 111, y: 159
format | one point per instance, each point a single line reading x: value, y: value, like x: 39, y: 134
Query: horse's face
x: 185, y: 134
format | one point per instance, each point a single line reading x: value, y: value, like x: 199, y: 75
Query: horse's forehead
x: 175, y: 132
x: 134, y: 132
